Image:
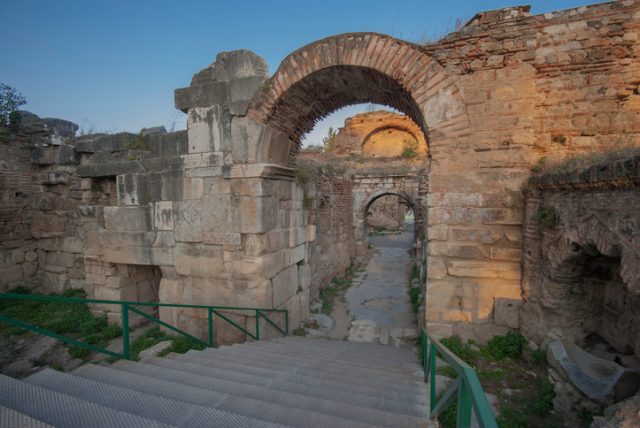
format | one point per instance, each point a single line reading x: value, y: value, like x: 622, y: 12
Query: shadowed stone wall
x: 582, y: 256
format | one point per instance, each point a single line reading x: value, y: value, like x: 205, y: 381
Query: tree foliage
x: 10, y: 101
x: 328, y: 142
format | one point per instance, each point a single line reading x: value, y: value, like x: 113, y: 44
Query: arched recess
x: 354, y: 68
x: 417, y: 136
x: 590, y: 284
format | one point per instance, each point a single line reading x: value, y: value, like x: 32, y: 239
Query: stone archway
x: 356, y: 68
x: 241, y: 205
x: 361, y: 208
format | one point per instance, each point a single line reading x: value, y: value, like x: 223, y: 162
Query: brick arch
x: 591, y: 231
x: 362, y: 212
x: 353, y: 68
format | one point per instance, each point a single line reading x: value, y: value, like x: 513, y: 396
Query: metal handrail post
x: 126, y: 345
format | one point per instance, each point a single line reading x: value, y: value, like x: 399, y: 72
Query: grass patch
x: 515, y: 373
x: 447, y: 419
x: 299, y: 332
x: 509, y: 345
x: 180, y: 344
x: 74, y: 320
x: 337, y: 287
x: 447, y: 371
x: 414, y: 296
x: 462, y: 350
x: 415, y: 272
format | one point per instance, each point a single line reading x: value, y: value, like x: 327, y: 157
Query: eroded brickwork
x: 582, y: 256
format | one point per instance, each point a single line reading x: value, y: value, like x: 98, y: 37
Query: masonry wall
x: 582, y: 256
x: 556, y: 84
x: 18, y: 255
x: 328, y: 202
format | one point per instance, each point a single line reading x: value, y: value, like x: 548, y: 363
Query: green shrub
x: 299, y: 332
x: 409, y: 149
x: 543, y: 401
x: 547, y: 217
x: 460, y: 349
x: 509, y: 345
x: 179, y: 344
x: 73, y: 320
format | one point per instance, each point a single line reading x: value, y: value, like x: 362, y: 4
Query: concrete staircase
x: 296, y: 382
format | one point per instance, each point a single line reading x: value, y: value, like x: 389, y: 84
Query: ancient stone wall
x: 582, y: 256
x: 328, y: 202
x: 40, y: 196
x: 218, y: 210
x: 18, y: 255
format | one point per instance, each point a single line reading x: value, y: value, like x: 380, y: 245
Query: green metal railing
x: 465, y: 388
x: 125, y: 306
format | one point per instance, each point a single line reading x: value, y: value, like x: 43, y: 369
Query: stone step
x: 10, y: 418
x: 172, y: 412
x: 328, y: 345
x: 197, y: 395
x: 340, y: 359
x: 207, y: 377
x: 371, y: 386
x: 62, y: 410
x: 329, y: 372
x: 374, y: 355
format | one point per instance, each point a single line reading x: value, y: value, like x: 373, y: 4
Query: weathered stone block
x: 188, y: 221
x: 204, y: 127
x: 484, y: 269
x: 257, y: 215
x: 198, y: 260
x: 284, y: 285
x: 458, y: 251
x: 218, y: 214
x: 114, y: 238
x: 507, y: 312
x: 163, y: 215
x: 221, y: 238
x: 454, y: 216
x: 128, y: 255
x: 436, y: 268
x: 481, y: 236
x: 253, y: 187
x: 72, y: 245
x: 513, y: 254
x: 299, y: 253
x: 127, y: 218
x: 502, y: 216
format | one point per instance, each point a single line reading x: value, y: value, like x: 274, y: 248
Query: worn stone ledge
x: 619, y: 174
x: 263, y: 170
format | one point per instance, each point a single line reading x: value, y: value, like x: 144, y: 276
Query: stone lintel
x: 262, y: 170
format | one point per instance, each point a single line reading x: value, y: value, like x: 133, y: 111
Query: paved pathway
x: 378, y: 301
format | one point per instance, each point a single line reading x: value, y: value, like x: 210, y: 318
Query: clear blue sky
x: 113, y: 65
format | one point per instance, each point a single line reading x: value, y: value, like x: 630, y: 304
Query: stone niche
x: 582, y: 270
x: 587, y: 297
